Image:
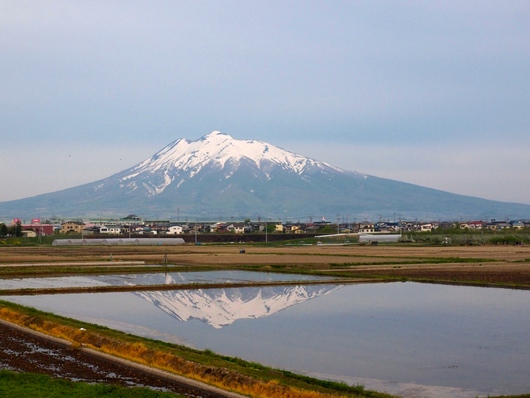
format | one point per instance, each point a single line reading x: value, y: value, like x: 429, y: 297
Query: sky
x: 435, y: 93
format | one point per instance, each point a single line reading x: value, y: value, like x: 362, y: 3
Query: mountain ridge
x: 219, y: 177
x: 217, y: 149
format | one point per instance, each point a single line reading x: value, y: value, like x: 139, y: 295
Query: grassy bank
x: 232, y: 374
x: 16, y: 385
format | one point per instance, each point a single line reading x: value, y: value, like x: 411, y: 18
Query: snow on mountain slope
x: 183, y: 159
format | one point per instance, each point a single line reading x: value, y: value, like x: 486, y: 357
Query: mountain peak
x: 218, y: 149
x: 215, y: 136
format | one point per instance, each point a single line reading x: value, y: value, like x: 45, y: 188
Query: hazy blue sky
x: 435, y: 93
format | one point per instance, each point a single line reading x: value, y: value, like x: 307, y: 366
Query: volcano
x: 219, y: 177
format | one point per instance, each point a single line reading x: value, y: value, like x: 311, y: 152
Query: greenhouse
x: 119, y: 242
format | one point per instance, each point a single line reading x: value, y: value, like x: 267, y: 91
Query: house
x: 426, y: 227
x: 219, y: 227
x: 161, y: 227
x: 110, y: 229
x: 177, y: 229
x: 366, y: 227
x: 472, y: 225
x: 38, y: 229
x: 294, y: 228
x: 278, y: 227
x: 139, y: 229
x: 497, y: 225
x: 28, y: 233
x: 407, y: 226
x: 72, y: 227
x: 393, y: 226
x: 237, y: 228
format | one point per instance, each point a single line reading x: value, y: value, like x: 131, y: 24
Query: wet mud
x: 25, y: 352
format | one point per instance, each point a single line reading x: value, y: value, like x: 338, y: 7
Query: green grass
x: 16, y: 385
x: 22, y: 241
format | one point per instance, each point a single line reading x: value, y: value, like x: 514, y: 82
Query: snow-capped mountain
x: 182, y: 160
x: 219, y: 177
x: 222, y: 307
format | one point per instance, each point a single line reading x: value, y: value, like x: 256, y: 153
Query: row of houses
x: 493, y: 225
x: 137, y: 226
x: 157, y: 228
x: 170, y: 228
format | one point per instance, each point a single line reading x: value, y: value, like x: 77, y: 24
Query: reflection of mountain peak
x: 222, y: 307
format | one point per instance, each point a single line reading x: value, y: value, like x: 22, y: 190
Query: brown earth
x: 495, y: 274
x: 502, y: 264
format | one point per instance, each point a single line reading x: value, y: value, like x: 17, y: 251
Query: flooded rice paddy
x: 152, y: 279
x: 412, y: 339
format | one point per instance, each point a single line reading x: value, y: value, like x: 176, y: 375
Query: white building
x: 175, y: 230
x: 110, y: 229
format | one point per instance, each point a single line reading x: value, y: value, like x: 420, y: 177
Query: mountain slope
x: 217, y: 176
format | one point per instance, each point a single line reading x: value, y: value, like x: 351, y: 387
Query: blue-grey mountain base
x: 219, y: 177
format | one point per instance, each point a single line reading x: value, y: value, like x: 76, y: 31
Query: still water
x: 412, y: 339
x: 152, y: 279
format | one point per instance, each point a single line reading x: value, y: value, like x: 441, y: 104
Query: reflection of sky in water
x: 463, y: 337
x: 153, y: 279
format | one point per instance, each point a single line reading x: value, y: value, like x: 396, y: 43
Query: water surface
x: 153, y: 279
x: 433, y: 340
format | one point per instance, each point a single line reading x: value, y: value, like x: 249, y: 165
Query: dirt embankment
x: 25, y: 351
x: 490, y: 274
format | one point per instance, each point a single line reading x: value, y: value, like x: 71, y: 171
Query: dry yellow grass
x: 140, y: 353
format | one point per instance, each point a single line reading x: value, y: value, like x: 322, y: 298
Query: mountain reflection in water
x: 221, y: 307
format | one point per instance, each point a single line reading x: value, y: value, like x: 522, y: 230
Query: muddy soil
x: 25, y: 352
x: 498, y: 274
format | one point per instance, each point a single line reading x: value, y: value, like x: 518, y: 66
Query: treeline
x: 12, y: 230
x: 456, y: 237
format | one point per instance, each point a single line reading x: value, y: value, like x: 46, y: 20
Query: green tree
x: 3, y: 229
x: 328, y: 229
x: 15, y: 230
